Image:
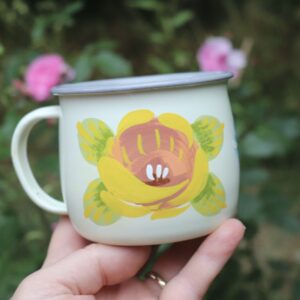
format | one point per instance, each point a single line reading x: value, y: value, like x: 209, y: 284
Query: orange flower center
x: 155, y: 154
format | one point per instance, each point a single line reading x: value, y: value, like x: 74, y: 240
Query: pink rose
x: 217, y: 54
x: 42, y: 75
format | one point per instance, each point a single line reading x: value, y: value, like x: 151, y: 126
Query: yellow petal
x: 109, y: 145
x: 178, y: 123
x: 197, y: 184
x: 89, y: 209
x: 98, y: 213
x: 168, y: 213
x: 125, y: 155
x: 134, y: 118
x: 122, y: 208
x: 121, y: 182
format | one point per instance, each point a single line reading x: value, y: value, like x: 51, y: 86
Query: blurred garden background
x: 105, y: 39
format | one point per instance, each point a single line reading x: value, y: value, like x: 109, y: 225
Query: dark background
x: 103, y: 39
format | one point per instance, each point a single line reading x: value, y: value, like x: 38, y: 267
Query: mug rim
x: 141, y: 83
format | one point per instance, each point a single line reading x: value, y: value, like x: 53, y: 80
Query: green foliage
x: 112, y: 64
x: 101, y: 58
x: 94, y: 206
x: 56, y: 20
x: 208, y: 132
x: 93, y: 135
x: 102, y: 39
x: 212, y: 199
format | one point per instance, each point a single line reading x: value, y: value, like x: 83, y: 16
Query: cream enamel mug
x: 143, y: 160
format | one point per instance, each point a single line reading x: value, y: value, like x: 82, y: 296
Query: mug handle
x: 21, y: 164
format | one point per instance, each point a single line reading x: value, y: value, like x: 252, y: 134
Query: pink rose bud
x: 236, y: 61
x: 43, y: 73
x: 217, y: 54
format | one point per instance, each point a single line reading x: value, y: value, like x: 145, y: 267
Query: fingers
x: 194, y: 279
x: 64, y: 241
x: 87, y: 270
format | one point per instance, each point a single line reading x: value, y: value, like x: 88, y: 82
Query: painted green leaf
x: 209, y: 133
x: 94, y: 208
x: 212, y: 199
x: 93, y: 135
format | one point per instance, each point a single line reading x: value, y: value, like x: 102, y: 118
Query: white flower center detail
x: 159, y: 173
x: 149, y: 172
x: 165, y: 172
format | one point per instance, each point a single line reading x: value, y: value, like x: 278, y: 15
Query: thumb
x: 87, y: 270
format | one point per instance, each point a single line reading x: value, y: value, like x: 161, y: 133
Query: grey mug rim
x: 141, y: 83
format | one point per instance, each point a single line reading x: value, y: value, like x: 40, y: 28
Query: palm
x: 130, y: 289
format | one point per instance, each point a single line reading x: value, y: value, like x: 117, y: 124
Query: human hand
x: 76, y: 269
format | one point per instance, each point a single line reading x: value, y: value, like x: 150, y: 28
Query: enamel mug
x: 143, y: 160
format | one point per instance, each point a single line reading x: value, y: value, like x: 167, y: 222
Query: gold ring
x: 154, y: 276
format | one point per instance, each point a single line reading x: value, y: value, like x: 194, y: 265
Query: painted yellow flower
x: 153, y: 165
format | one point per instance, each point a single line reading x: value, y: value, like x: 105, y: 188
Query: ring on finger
x: 157, y: 278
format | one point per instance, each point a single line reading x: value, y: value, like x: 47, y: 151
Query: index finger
x: 194, y: 279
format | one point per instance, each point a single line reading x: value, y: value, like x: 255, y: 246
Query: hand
x: 76, y: 269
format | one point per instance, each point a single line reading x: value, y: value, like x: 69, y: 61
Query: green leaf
x: 181, y: 58
x: 160, y: 65
x: 182, y: 18
x: 83, y: 67
x: 263, y: 145
x: 2, y: 49
x: 149, y: 5
x: 209, y: 134
x: 93, y: 135
x: 212, y: 199
x: 112, y: 64
x: 94, y: 208
x: 157, y: 38
x: 73, y: 8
